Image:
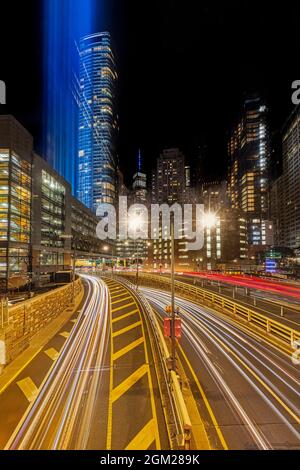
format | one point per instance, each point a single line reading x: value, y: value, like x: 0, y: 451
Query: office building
x: 96, y: 167
x: 249, y: 170
x: 168, y: 179
x: 41, y: 225
x: 171, y: 183
x: 130, y: 250
x: 285, y: 192
x: 225, y: 231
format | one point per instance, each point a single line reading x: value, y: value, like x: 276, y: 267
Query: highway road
x: 75, y: 392
x: 101, y: 390
x: 277, y: 305
x: 287, y: 289
x: 247, y: 391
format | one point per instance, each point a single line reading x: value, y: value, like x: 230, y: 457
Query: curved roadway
x: 247, y: 391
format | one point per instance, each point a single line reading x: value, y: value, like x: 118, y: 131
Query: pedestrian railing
x: 270, y: 326
x: 181, y: 416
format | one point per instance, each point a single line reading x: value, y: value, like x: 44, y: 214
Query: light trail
x: 251, y: 283
x: 70, y: 389
x: 236, y: 361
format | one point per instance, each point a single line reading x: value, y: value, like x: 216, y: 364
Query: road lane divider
x: 131, y: 388
x: 52, y: 353
x: 28, y: 387
x: 183, y: 424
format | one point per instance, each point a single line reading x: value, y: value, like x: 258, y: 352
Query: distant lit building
x: 96, y: 168
x: 225, y: 235
x: 171, y: 183
x: 168, y: 179
x: 249, y: 170
x: 285, y: 193
x: 214, y: 195
x: 131, y: 249
x: 225, y: 240
x: 139, y: 187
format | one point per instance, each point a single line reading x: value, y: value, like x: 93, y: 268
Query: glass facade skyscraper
x: 249, y: 170
x: 96, y: 165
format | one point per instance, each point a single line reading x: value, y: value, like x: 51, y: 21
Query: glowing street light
x: 135, y: 223
x: 209, y: 219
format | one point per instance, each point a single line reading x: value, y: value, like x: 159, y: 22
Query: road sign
x: 167, y: 327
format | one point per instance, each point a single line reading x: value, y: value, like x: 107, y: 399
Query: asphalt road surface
x: 247, y: 391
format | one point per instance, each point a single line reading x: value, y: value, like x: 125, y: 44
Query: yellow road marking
x: 29, y: 388
x: 122, y: 388
x: 121, y: 300
x: 74, y: 320
x: 109, y: 413
x: 114, y: 289
x: 125, y: 292
x: 52, y: 353
x: 157, y: 438
x: 120, y: 317
x: 123, y: 306
x: 144, y: 438
x: 209, y: 409
x: 64, y: 334
x: 127, y: 328
x: 128, y: 348
x: 116, y: 393
x: 20, y: 370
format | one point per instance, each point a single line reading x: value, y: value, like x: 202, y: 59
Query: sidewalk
x: 14, y: 368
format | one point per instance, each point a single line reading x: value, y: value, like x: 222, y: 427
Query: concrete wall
x: 29, y: 317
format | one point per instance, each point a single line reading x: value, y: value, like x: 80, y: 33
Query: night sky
x: 184, y: 67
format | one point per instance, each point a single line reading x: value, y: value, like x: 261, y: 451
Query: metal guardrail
x: 183, y: 422
x: 227, y: 306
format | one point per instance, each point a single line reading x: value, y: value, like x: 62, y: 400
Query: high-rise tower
x: 249, y: 169
x: 96, y: 167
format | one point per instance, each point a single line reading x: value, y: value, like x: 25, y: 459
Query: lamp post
x: 173, y: 339
x: 135, y: 223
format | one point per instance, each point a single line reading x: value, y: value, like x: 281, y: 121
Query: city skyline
x: 188, y: 124
x: 149, y: 232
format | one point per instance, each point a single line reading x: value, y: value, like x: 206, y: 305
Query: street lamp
x: 173, y: 339
x: 106, y: 249
x: 134, y: 224
x: 209, y: 219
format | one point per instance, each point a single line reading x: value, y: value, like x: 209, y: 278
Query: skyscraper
x: 168, y: 180
x: 96, y: 166
x: 285, y: 190
x: 171, y: 183
x: 249, y: 169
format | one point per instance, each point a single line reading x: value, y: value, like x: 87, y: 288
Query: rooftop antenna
x: 139, y: 161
